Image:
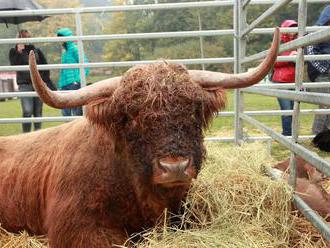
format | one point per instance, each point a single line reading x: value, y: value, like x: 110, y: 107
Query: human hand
x: 20, y: 48
x: 293, y: 53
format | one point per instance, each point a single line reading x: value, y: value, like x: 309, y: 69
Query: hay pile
x: 232, y: 204
x: 23, y: 240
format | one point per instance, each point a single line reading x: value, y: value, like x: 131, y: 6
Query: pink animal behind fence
x: 308, y: 185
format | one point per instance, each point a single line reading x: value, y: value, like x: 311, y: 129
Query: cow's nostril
x: 174, y: 171
x: 163, y: 167
x: 177, y: 166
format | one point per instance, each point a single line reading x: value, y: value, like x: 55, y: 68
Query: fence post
x: 201, y: 39
x: 80, y: 48
x: 299, y: 77
x: 239, y: 53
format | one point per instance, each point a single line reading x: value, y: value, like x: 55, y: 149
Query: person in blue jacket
x: 69, y: 79
x: 319, y: 71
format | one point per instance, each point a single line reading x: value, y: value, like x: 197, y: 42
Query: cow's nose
x: 174, y: 170
x: 174, y: 165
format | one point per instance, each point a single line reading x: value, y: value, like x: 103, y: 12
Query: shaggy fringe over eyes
x: 154, y: 90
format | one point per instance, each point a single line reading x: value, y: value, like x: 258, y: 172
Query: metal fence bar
x: 311, y: 38
x: 79, y: 31
x: 270, y: 11
x: 162, y: 6
x: 274, y: 86
x: 286, y: 30
x: 228, y: 60
x: 311, y: 157
x: 245, y: 3
x: 24, y: 94
x: 120, y: 64
x: 239, y: 53
x: 251, y: 138
x: 305, y: 85
x: 207, y: 139
x: 258, y: 2
x: 277, y: 112
x: 38, y: 119
x: 135, y: 36
x: 119, y: 8
x: 299, y: 76
x: 220, y: 114
x: 306, y: 57
x: 308, y: 97
x: 267, y: 86
x: 151, y: 35
x: 201, y: 40
x: 314, y: 218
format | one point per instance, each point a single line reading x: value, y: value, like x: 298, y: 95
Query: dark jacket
x: 23, y: 77
x: 318, y: 67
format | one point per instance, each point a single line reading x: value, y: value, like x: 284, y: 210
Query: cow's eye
x: 124, y: 120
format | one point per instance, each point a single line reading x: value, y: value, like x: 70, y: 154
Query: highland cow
x: 96, y: 180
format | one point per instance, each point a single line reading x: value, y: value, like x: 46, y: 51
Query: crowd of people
x: 69, y: 79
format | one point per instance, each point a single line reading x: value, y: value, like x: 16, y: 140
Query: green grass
x: 224, y: 126
x: 12, y: 109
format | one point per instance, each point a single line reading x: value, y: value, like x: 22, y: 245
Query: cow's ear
x: 106, y: 113
x: 214, y: 101
x: 98, y: 111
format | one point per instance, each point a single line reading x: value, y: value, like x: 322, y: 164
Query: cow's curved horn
x: 209, y: 79
x: 70, y: 99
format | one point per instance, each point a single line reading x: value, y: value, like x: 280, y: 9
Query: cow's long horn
x: 70, y: 99
x: 209, y: 79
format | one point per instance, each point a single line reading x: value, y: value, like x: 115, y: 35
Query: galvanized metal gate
x: 240, y: 31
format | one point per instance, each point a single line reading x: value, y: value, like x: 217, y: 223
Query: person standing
x: 319, y: 71
x: 69, y: 79
x: 284, y: 72
x: 19, y: 55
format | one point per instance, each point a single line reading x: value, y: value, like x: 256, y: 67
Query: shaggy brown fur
x: 87, y: 183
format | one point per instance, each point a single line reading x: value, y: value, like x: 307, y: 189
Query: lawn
x: 12, y: 109
x: 223, y: 126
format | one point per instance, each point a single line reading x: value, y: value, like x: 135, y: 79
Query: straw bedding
x: 231, y: 204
